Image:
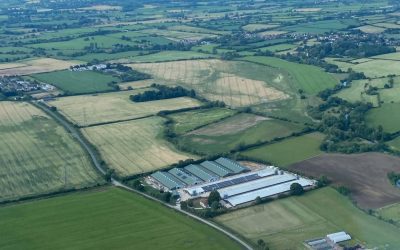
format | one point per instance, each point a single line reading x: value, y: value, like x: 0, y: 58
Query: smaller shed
x: 216, y: 168
x: 233, y: 166
x: 168, y: 180
x: 185, y: 177
x: 201, y: 173
x: 338, y: 237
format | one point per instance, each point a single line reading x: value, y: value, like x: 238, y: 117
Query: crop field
x: 134, y: 147
x: 387, y: 116
x: 395, y: 143
x: 241, y: 129
x: 288, y: 222
x: 390, y: 56
x: 116, y: 106
x: 371, y: 29
x: 308, y: 78
x: 288, y: 151
x: 78, y: 82
x: 82, y: 219
x: 279, y: 47
x: 369, y: 184
x: 35, y: 66
x: 37, y: 155
x: 320, y: 27
x: 258, y: 26
x: 166, y: 56
x: 235, y: 83
x: 190, y: 120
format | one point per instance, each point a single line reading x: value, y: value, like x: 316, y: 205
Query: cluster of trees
x: 213, y: 210
x: 345, y: 126
x: 393, y: 177
x: 162, y: 92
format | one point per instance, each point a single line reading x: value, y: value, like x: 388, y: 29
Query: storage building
x: 233, y: 166
x: 216, y: 168
x: 201, y: 173
x: 168, y: 180
x: 185, y: 177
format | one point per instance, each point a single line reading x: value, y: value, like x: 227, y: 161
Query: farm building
x: 216, y: 168
x: 233, y: 166
x: 185, y: 177
x: 338, y: 237
x: 201, y: 173
x: 168, y: 180
x: 244, y: 188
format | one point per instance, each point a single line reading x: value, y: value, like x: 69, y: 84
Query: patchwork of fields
x: 110, y: 107
x: 236, y: 131
x: 35, y: 66
x: 134, y: 147
x: 38, y: 156
x: 83, y: 220
x: 286, y: 223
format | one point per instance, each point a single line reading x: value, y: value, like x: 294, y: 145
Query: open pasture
x: 166, y: 56
x: 116, y: 106
x: 387, y: 116
x: 241, y: 129
x: 38, y: 156
x: 288, y: 151
x: 134, y: 147
x: 287, y: 223
x: 254, y: 27
x: 364, y: 174
x: 235, y: 83
x: 310, y: 79
x: 190, y: 120
x: 34, y: 66
x: 83, y: 82
x: 107, y: 218
x: 390, y: 213
x: 371, y: 29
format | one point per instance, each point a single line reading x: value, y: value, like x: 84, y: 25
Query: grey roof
x: 234, y: 166
x: 168, y: 180
x: 185, y: 177
x: 216, y: 168
x: 201, y: 173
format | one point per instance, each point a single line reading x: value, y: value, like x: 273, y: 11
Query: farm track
x: 96, y: 162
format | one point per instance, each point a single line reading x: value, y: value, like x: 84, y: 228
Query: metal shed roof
x: 168, y: 180
x: 184, y: 177
x: 201, y: 173
x: 216, y: 168
x: 338, y: 237
x: 233, y: 166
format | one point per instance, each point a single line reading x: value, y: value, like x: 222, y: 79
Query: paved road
x: 74, y: 132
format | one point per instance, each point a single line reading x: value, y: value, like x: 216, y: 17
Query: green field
x: 387, y: 116
x: 311, y: 79
x: 230, y: 133
x: 103, y: 219
x: 286, y: 223
x: 83, y: 82
x: 391, y: 212
x: 288, y: 151
x: 38, y: 156
x: 190, y: 120
x: 165, y: 56
x: 395, y: 143
x: 134, y: 147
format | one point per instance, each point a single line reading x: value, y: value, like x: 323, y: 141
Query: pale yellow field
x: 136, y: 84
x: 35, y: 66
x: 92, y: 109
x: 37, y: 155
x: 258, y: 26
x: 102, y: 7
x: 371, y: 29
x: 134, y: 147
x: 308, y: 10
x: 213, y: 79
x: 271, y: 33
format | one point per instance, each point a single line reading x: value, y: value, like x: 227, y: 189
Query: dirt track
x: 365, y: 174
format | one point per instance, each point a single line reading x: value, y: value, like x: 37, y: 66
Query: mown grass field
x: 103, y: 219
x: 190, y: 120
x: 37, y: 155
x: 387, y: 116
x: 235, y: 83
x: 164, y: 56
x: 236, y: 131
x: 116, y: 106
x: 391, y: 212
x: 288, y: 151
x: 134, y: 147
x: 308, y: 78
x: 78, y: 82
x: 286, y: 223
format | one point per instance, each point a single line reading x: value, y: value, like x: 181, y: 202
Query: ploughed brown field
x: 364, y: 174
